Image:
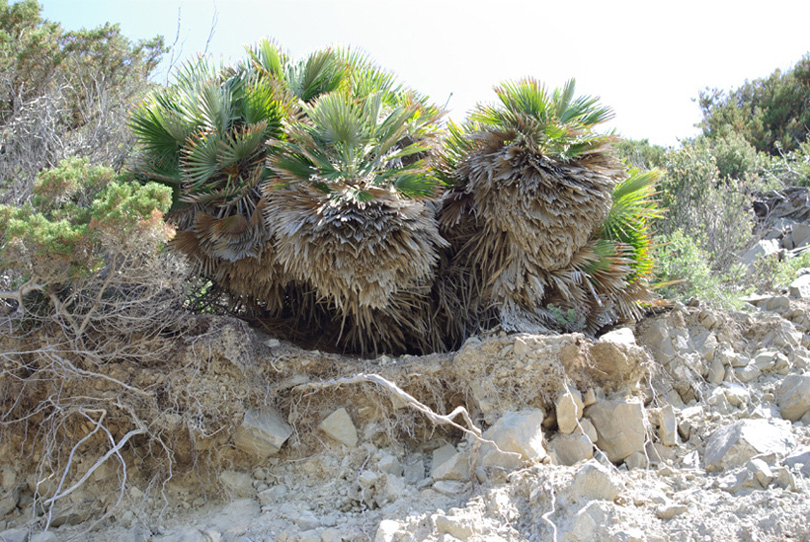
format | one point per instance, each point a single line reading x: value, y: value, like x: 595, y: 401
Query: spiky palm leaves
x: 533, y: 185
x: 351, y: 219
x: 206, y: 137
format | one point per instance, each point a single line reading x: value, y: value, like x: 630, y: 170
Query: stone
x: 800, y: 288
x: 262, y: 432
x: 310, y: 535
x: 667, y: 426
x: 367, y: 479
x: 717, y: 371
x: 589, y: 398
x: 451, y: 488
x: 273, y: 495
x: 762, y: 249
x: 800, y: 235
x: 340, y: 427
x: 585, y: 525
x: 571, y: 449
x: 616, y: 361
x: 520, y: 347
x: 799, y: 459
x: 237, y: 483
x: 455, y: 468
x: 331, y: 535
x: 793, y: 396
x: 588, y: 429
x: 761, y: 471
x: 387, y: 531
x: 414, y: 472
x: 669, y: 511
x: 636, y: 460
x: 620, y: 427
x: 440, y: 455
x: 778, y: 303
x: 43, y: 537
x: 14, y: 535
x: 568, y: 408
x: 460, y: 527
x: 392, y: 489
x: 735, y: 445
x: 390, y: 464
x: 593, y: 481
x: 748, y: 373
x: 520, y: 434
x: 737, y: 395
x: 306, y: 520
x: 8, y: 501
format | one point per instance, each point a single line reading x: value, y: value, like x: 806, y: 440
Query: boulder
x: 340, y: 427
x: 440, y: 456
x: 762, y: 249
x: 793, y: 396
x: 667, y: 426
x: 800, y: 288
x: 800, y: 235
x: 735, y: 445
x: 568, y: 408
x: 799, y: 459
x: 455, y: 468
x: 571, y: 449
x: 620, y: 427
x: 262, y: 432
x: 593, y: 481
x: 520, y: 433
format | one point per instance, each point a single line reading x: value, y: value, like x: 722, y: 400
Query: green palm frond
x: 554, y: 124
x: 266, y: 58
x: 321, y: 73
x: 361, y: 145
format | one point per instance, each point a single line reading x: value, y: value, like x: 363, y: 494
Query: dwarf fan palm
x: 352, y: 215
x: 532, y: 187
x: 206, y: 137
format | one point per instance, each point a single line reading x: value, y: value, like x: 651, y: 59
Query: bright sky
x: 646, y: 59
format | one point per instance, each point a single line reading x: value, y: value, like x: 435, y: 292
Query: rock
x: 414, y: 472
x: 520, y: 347
x: 331, y: 535
x: 237, y: 483
x: 589, y: 429
x: 460, y: 527
x: 617, y: 362
x: 440, y: 455
x: 339, y: 426
x: 620, y: 427
x: 799, y: 459
x: 262, y: 432
x: 589, y: 398
x: 273, y: 495
x: 748, y: 373
x: 8, y: 501
x: 310, y: 535
x: 656, y: 337
x: 571, y: 449
x: 392, y: 489
x: 568, y: 408
x: 778, y: 303
x: 735, y: 445
x: 669, y: 511
x: 800, y: 235
x: 520, y: 433
x: 455, y: 468
x: 593, y: 482
x: 800, y: 288
x: 586, y: 524
x: 390, y: 464
x: 737, y: 395
x: 451, y: 488
x: 793, y: 396
x: 388, y: 531
x: 636, y: 460
x: 43, y: 537
x: 761, y: 471
x: 762, y: 249
x: 367, y: 479
x: 667, y: 426
x: 717, y: 371
x: 306, y: 521
x: 14, y: 535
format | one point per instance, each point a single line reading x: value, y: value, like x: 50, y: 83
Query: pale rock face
x: 593, y: 481
x: 620, y: 427
x: 340, y: 427
x: 735, y: 445
x: 520, y: 433
x: 571, y: 449
x: 262, y: 432
x: 793, y: 396
x: 667, y: 426
x: 569, y: 410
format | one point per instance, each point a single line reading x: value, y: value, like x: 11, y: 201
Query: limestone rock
x: 455, y: 468
x: 636, y: 460
x: 617, y: 361
x: 569, y: 410
x: 518, y: 432
x: 451, y: 488
x: 800, y: 288
x: 340, y: 427
x: 571, y: 449
x: 620, y: 427
x: 800, y: 235
x: 799, y: 459
x: 390, y: 464
x: 388, y: 531
x: 440, y: 455
x: 735, y: 445
x: 667, y: 426
x: 237, y: 483
x: 593, y: 481
x: 457, y: 526
x: 762, y: 249
x: 14, y: 535
x: 793, y: 396
x: 262, y: 432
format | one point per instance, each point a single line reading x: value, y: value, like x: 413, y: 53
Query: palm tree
x: 352, y: 214
x: 532, y: 187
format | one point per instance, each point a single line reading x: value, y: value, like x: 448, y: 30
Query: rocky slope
x: 691, y: 426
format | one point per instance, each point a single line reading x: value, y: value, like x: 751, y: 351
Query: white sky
x: 647, y: 60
